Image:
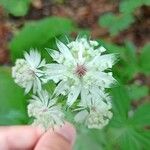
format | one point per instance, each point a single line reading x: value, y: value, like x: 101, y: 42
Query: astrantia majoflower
x: 81, y: 70
x: 45, y: 110
x: 27, y: 72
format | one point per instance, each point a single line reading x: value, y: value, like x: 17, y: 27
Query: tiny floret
x: 45, y: 111
x: 27, y: 72
x: 95, y: 112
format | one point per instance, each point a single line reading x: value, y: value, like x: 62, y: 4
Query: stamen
x: 81, y: 70
x: 45, y: 110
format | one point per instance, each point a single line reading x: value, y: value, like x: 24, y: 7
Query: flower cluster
x: 80, y: 71
x: 45, y: 110
x: 27, y: 72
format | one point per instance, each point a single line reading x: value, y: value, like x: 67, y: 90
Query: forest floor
x: 84, y: 12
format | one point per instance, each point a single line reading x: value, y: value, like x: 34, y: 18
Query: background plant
x: 124, y: 18
x: 129, y: 128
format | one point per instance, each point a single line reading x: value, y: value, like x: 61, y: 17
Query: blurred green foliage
x: 16, y: 7
x: 136, y: 92
x: 40, y: 34
x: 12, y: 100
x: 144, y: 59
x: 128, y: 130
x: 116, y: 23
x: 119, y: 22
x: 20, y: 7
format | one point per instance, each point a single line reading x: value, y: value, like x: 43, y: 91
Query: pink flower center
x: 45, y: 110
x: 80, y: 70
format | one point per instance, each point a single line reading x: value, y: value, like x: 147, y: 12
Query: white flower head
x: 80, y: 68
x: 27, y: 72
x: 46, y: 112
x: 96, y: 114
x: 81, y: 71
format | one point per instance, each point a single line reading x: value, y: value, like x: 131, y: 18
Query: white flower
x: 27, y: 72
x: 46, y: 112
x: 95, y: 114
x: 80, y: 69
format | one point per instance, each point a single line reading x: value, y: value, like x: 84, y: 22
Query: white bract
x: 46, y: 111
x: 95, y: 118
x: 95, y: 113
x: 80, y: 69
x: 27, y: 72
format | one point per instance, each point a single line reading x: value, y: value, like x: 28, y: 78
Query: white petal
x: 57, y: 56
x: 97, y: 92
x: 84, y: 96
x: 64, y: 50
x: 43, y: 62
x: 27, y: 57
x: 38, y: 82
x: 81, y: 116
x: 34, y: 87
x: 80, y: 55
x: 73, y: 95
x: 54, y: 71
x: 106, y: 79
x: 103, y: 62
x: 101, y: 49
x: 61, y: 87
x: 28, y: 88
x: 108, y: 60
x: 36, y: 57
x: 54, y: 66
x: 94, y: 43
x: 33, y: 58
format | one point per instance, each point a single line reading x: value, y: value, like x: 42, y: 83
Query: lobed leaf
x: 115, y: 23
x: 136, y: 92
x: 141, y: 117
x: 144, y: 59
x: 121, y: 105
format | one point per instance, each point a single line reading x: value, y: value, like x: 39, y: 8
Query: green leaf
x: 130, y: 53
x: 121, y: 105
x: 116, y: 23
x: 129, y: 6
x: 127, y: 137
x: 91, y: 139
x: 12, y: 100
x: 141, y: 116
x: 40, y: 34
x: 130, y: 64
x: 143, y: 137
x: 16, y: 7
x: 136, y: 92
x: 144, y: 59
x: 123, y: 138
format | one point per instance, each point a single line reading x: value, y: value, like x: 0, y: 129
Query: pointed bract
x: 27, y: 72
x: 46, y: 111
